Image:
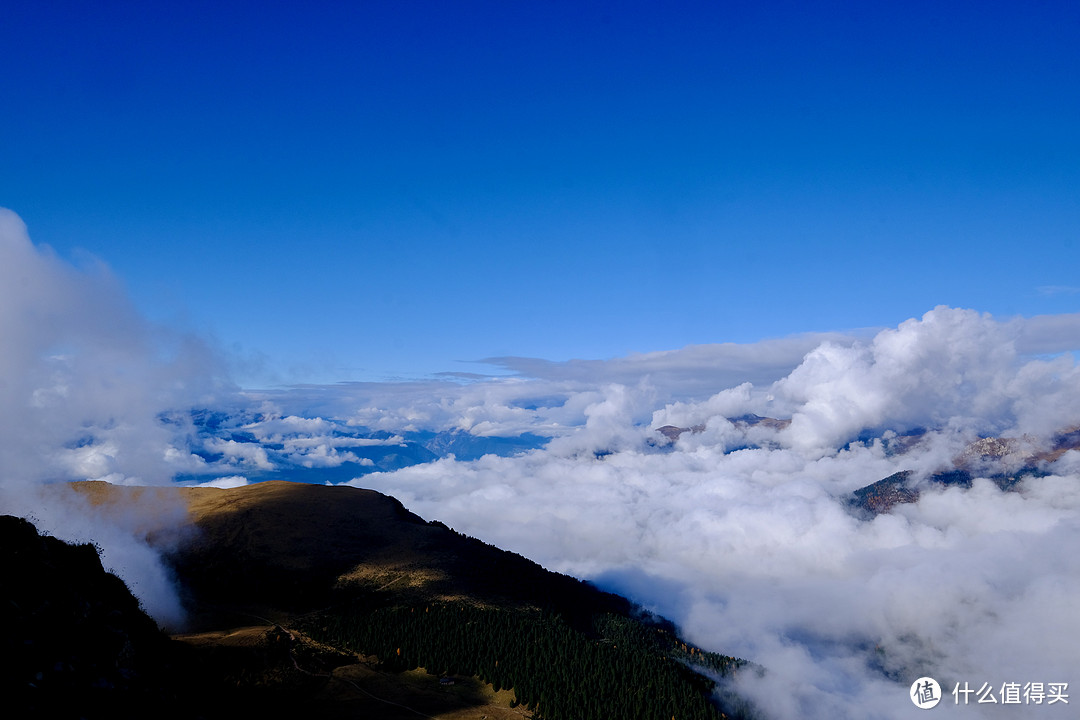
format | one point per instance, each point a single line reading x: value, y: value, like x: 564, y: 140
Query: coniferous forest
x: 606, y: 666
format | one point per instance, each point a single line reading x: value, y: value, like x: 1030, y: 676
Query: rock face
x: 752, y: 420
x: 880, y: 497
x: 75, y: 641
x: 1004, y: 461
x: 673, y: 433
x: 743, y: 422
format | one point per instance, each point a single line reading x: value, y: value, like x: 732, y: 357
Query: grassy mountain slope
x: 343, y: 571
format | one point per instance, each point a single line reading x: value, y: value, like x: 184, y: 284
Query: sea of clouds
x: 739, y: 531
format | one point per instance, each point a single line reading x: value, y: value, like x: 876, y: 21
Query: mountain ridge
x: 355, y: 570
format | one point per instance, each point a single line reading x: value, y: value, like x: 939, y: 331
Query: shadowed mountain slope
x: 355, y: 571
x: 295, y: 547
x: 75, y: 642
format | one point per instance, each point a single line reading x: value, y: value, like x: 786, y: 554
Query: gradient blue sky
x: 356, y: 191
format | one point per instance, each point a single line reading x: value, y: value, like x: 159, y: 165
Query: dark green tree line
x: 612, y: 667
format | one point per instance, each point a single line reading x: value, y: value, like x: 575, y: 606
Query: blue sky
x: 357, y: 191
x: 717, y: 209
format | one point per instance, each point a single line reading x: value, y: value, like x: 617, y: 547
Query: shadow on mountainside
x: 294, y: 548
x: 310, y: 564
x: 77, y: 645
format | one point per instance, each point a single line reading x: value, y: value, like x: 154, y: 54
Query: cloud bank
x: 740, y: 530
x: 737, y: 527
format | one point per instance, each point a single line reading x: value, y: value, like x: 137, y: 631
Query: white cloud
x: 688, y: 372
x: 549, y: 399
x: 225, y: 483
x: 1058, y: 290
x: 753, y: 552
x: 241, y: 454
x: 82, y: 381
x: 322, y: 456
x: 950, y: 366
x: 737, y: 530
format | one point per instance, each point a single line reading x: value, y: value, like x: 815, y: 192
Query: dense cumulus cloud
x: 741, y: 530
x: 724, y: 502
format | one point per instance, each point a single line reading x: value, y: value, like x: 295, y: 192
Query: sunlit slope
x: 297, y: 546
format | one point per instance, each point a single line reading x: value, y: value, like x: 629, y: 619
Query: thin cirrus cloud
x: 1058, y: 290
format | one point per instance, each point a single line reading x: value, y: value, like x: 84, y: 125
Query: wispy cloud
x: 1058, y: 289
x: 83, y: 379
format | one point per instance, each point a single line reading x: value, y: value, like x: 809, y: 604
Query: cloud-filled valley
x: 736, y: 521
